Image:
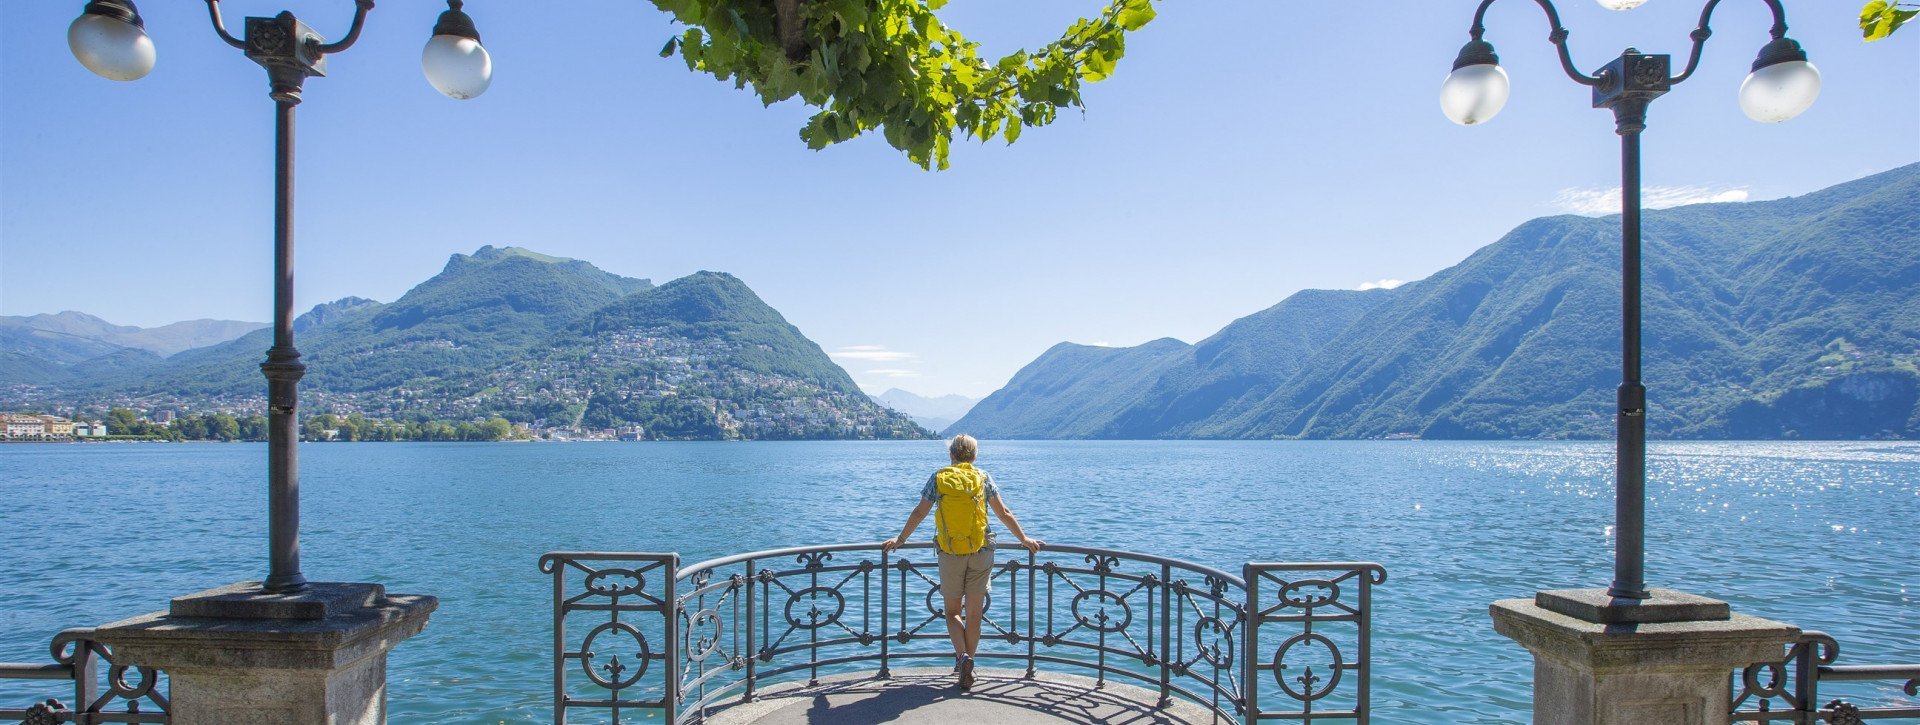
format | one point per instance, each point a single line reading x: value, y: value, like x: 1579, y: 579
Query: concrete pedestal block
x: 1639, y: 666
x: 240, y: 654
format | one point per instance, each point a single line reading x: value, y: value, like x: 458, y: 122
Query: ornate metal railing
x: 1279, y: 642
x: 1793, y: 683
x: 77, y: 658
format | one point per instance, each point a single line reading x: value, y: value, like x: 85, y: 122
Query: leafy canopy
x: 893, y: 66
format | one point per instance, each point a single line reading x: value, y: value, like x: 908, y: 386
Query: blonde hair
x: 963, y: 448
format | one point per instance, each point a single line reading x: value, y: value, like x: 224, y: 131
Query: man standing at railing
x: 962, y: 494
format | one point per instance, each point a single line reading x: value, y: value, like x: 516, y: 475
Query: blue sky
x: 1243, y: 151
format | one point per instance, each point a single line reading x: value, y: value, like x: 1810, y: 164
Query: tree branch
x: 793, y: 38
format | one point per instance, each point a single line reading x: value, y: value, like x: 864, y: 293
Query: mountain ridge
x: 543, y: 341
x: 1790, y: 318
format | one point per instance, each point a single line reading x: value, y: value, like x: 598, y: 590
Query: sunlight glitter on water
x: 1753, y: 523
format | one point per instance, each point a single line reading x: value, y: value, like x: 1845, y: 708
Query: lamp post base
x: 1667, y: 661
x: 243, y: 654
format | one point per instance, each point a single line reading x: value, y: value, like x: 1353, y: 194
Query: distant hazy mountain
x: 1795, y: 318
x: 540, y: 340
x: 42, y: 349
x: 163, y: 340
x: 934, y: 414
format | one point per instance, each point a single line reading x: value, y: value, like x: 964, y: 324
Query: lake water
x: 1822, y: 535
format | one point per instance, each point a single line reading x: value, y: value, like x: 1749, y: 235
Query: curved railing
x: 1788, y: 689
x: 77, y: 661
x: 1276, y: 642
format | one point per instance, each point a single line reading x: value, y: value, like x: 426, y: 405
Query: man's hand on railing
x: 1032, y: 544
x: 895, y: 543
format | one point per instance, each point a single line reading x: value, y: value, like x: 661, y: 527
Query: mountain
x: 163, y: 340
x: 934, y: 414
x: 1074, y: 391
x: 46, y: 348
x: 551, y: 343
x: 703, y: 357
x: 1794, y: 318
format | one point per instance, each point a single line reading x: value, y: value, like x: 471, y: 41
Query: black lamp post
x: 1782, y: 85
x: 110, y: 40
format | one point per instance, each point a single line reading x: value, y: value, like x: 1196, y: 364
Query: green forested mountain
x: 544, y: 342
x: 1791, y: 318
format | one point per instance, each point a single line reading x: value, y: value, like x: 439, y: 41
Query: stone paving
x: 928, y: 696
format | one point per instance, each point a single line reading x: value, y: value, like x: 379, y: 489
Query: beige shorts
x: 966, y: 573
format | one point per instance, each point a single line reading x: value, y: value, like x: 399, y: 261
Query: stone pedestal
x: 1666, y: 659
x: 240, y: 654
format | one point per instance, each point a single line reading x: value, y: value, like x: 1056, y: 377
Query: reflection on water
x: 1821, y: 535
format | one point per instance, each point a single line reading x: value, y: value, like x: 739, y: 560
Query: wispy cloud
x: 872, y: 354
x: 1100, y: 343
x: 1600, y: 201
x: 1382, y: 284
x: 895, y: 373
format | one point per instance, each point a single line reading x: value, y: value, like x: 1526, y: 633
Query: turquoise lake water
x: 1821, y: 535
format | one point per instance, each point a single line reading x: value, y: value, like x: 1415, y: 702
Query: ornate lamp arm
x: 1558, y: 37
x: 1703, y: 32
x: 353, y: 33
x: 213, y: 9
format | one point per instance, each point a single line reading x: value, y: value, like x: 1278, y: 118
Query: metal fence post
x: 886, y: 609
x: 1366, y: 644
x: 1166, y: 635
x: 1250, y: 646
x: 753, y: 652
x: 1032, y: 559
x: 559, y: 641
x: 1806, y: 681
x: 671, y: 610
x: 86, y: 688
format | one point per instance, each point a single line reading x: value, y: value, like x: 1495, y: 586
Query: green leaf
x: 894, y: 67
x: 1878, y: 19
x: 1136, y: 15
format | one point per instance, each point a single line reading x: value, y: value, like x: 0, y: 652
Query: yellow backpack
x: 961, y: 518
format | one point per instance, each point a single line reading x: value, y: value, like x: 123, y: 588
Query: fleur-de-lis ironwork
x: 614, y: 668
x: 1307, y: 680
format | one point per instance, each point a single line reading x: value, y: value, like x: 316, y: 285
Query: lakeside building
x: 25, y: 428
x: 32, y: 427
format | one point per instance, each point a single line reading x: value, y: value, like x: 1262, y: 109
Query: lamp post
x: 1781, y: 86
x: 109, y: 38
x: 1628, y: 653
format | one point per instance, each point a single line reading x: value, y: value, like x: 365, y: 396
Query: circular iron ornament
x: 1307, y: 679
x: 614, y: 666
x: 1776, y: 679
x: 813, y: 595
x: 708, y: 642
x: 1214, y: 641
x: 1100, y: 621
x: 615, y: 582
x: 117, y: 681
x: 1295, y: 595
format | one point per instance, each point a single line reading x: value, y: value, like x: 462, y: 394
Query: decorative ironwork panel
x: 1788, y: 689
x: 711, y: 634
x: 1307, y: 648
x: 105, y: 687
x: 615, y: 634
